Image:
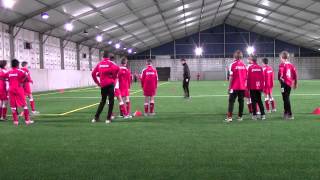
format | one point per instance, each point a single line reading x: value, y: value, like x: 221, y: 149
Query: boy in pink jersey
x: 268, y: 85
x: 122, y: 89
x: 17, y: 78
x: 237, y: 87
x: 3, y: 91
x: 255, y: 85
x: 149, y: 84
x: 27, y: 87
x: 288, y: 79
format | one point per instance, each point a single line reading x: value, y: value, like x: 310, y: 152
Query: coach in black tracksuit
x: 186, y: 78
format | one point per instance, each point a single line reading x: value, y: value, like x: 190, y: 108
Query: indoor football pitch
x: 187, y: 139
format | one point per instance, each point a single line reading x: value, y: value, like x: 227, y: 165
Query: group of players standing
x: 251, y: 81
x: 115, y: 81
x: 15, y: 88
x: 245, y: 82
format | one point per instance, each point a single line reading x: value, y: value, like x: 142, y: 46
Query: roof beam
x: 112, y: 21
x: 201, y: 13
x: 272, y: 10
x: 37, y: 12
x: 74, y: 18
x: 135, y: 21
x: 234, y: 5
x: 142, y: 21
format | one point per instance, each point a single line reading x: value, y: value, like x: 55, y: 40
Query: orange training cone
x: 316, y: 111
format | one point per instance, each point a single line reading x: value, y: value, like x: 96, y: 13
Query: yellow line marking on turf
x: 75, y: 110
x: 91, y: 105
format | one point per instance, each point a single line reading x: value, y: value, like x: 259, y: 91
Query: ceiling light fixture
x: 45, y: 15
x: 99, y: 38
x: 68, y: 26
x: 8, y: 3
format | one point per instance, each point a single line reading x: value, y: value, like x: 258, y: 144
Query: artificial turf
x: 185, y: 140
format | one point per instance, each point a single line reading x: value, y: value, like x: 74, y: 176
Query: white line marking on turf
x: 91, y: 105
x: 75, y: 90
x: 196, y: 96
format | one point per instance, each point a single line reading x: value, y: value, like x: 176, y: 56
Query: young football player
x: 288, y: 79
x: 237, y: 87
x: 16, y: 78
x: 122, y: 89
x: 255, y: 85
x: 268, y: 86
x: 3, y: 91
x: 107, y: 71
x: 27, y: 87
x: 149, y: 84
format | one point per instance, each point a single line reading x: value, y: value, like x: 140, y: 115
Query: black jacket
x: 186, y: 71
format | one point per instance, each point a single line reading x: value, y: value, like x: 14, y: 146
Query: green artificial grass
x: 185, y: 140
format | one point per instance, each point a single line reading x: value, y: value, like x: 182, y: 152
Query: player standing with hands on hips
x: 288, y: 78
x: 186, y: 78
x: 107, y: 72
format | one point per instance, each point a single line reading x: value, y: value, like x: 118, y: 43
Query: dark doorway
x: 163, y: 73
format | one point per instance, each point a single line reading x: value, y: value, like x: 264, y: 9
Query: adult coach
x: 237, y: 87
x: 186, y: 78
x: 287, y: 76
x: 107, y: 71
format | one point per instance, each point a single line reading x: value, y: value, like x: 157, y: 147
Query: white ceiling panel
x: 55, y: 17
x: 74, y: 8
x: 27, y: 6
x: 116, y: 10
x: 300, y: 3
x: 93, y: 19
x: 153, y: 22
x: 140, y: 3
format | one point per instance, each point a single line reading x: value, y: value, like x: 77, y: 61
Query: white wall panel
x: 52, y: 54
x: 4, y: 42
x: 95, y: 57
x: 29, y: 55
x: 84, y: 61
x: 70, y: 56
x: 50, y: 79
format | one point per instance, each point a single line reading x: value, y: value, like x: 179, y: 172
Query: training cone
x: 61, y: 91
x: 137, y: 113
x: 316, y: 111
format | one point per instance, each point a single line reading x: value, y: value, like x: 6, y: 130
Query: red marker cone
x: 316, y: 111
x: 137, y: 113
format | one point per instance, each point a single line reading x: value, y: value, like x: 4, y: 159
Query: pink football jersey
x: 238, y: 74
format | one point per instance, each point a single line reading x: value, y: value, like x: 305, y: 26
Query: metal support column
x: 224, y: 40
x: 90, y: 59
x: 78, y: 56
x: 41, y: 51
x: 174, y: 49
x: 62, y: 53
x: 11, y: 41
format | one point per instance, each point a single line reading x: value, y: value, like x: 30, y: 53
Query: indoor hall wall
x: 52, y: 79
x: 23, y: 54
x: 52, y: 53
x: 216, y: 68
x: 84, y: 58
x: 4, y: 42
x: 70, y: 56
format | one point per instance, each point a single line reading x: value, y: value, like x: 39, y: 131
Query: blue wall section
x: 222, y: 41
